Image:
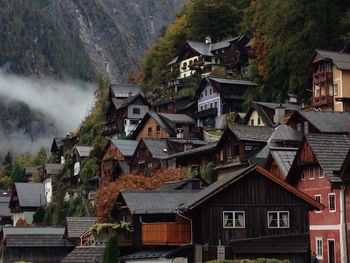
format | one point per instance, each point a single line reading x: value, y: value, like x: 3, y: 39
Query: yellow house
x: 331, y: 80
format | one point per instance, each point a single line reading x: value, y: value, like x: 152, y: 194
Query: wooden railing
x: 167, y: 233
x: 323, y: 100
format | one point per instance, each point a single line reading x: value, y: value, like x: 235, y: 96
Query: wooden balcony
x: 323, y: 101
x: 211, y: 112
x: 320, y: 77
x: 168, y: 233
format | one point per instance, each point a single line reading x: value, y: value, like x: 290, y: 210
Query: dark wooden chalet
x: 218, y: 96
x: 49, y: 170
x: 250, y: 206
x: 164, y: 125
x: 80, y: 153
x: 26, y: 198
x: 115, y: 159
x: 151, y: 155
x: 34, y: 244
x: 76, y: 227
x: 60, y: 145
x: 123, y: 115
x: 268, y: 114
x: 173, y: 105
x: 320, y: 122
x: 30, y: 171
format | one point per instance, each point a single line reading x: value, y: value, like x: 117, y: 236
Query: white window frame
x: 329, y: 203
x: 335, y: 89
x: 234, y: 222
x: 278, y: 219
x: 319, y: 256
x: 311, y: 171
x: 318, y: 195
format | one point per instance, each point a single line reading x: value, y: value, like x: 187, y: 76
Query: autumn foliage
x: 105, y: 197
x: 21, y: 223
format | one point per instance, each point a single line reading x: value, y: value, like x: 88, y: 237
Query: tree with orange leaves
x: 105, y: 197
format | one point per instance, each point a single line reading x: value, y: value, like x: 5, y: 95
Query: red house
x: 316, y: 171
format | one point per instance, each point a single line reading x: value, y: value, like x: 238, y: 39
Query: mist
x: 60, y: 105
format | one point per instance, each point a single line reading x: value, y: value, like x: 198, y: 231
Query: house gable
x: 152, y: 129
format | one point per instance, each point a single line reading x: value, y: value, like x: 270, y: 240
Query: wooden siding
x: 168, y: 233
x: 143, y: 161
x: 154, y: 134
x: 255, y: 195
x: 306, y: 155
x: 111, y: 155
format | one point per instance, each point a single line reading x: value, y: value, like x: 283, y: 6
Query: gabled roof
x: 252, y: 133
x: 339, y: 59
x: 232, y: 178
x: 177, y: 118
x: 326, y: 122
x: 285, y: 133
x: 155, y: 202
x: 77, y: 226
x: 284, y: 158
x: 122, y: 90
x: 33, y: 231
x: 84, y: 254
x: 30, y: 194
x: 183, y: 184
x: 158, y: 148
x: 56, y: 143
x: 84, y: 151
x: 53, y: 168
x: 186, y: 141
x: 32, y: 169
x: 126, y: 147
x: 199, y: 150
x: 330, y: 151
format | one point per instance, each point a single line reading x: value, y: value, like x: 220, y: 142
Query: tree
x: 38, y: 217
x: 111, y: 253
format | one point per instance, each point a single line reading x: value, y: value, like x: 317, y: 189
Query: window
x: 252, y: 122
x: 306, y: 127
x: 229, y: 152
x: 234, y: 219
x: 259, y: 120
x: 210, y: 91
x: 331, y: 202
x: 202, y: 95
x: 311, y: 173
x: 335, y: 89
x: 205, y: 106
x: 299, y: 127
x: 134, y: 122
x: 201, y: 108
x: 216, y: 104
x: 136, y: 111
x: 318, y: 198
x: 321, y: 175
x: 235, y: 150
x: 206, y: 93
x: 158, y: 128
x: 319, y: 247
x: 149, y: 131
x: 211, y: 105
x: 278, y: 219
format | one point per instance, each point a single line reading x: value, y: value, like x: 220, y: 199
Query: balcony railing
x: 207, y: 113
x: 322, y: 77
x: 167, y: 233
x: 322, y: 100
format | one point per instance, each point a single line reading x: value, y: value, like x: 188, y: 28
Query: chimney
x: 208, y: 40
x: 280, y: 111
x: 129, y: 94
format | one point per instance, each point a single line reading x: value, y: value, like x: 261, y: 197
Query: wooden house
x: 60, y: 145
x: 25, y: 199
x: 228, y: 56
x: 317, y: 172
x: 280, y: 160
x: 164, y: 125
x: 218, y: 96
x: 5, y: 212
x: 76, y: 227
x: 34, y: 244
x: 123, y: 115
x: 80, y: 153
x: 173, y: 105
x: 269, y: 114
x: 123, y: 90
x: 330, y: 80
x: 115, y: 159
x: 251, y: 206
x: 320, y: 122
x: 30, y: 171
x: 151, y: 155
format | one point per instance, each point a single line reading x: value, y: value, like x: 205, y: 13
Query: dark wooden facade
x: 298, y: 122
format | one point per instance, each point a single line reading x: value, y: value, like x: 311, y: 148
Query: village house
x: 330, y: 80
x: 80, y: 153
x: 316, y: 171
x: 123, y: 115
x: 228, y: 57
x: 218, y: 96
x: 172, y: 105
x: 60, y: 145
x: 249, y: 223
x: 76, y: 227
x: 5, y: 212
x: 268, y: 113
x: 30, y: 171
x: 280, y: 160
x: 33, y: 244
x: 83, y: 254
x: 164, y: 125
x: 115, y: 159
x: 320, y: 122
x: 25, y: 199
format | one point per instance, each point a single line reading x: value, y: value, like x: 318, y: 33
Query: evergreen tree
x: 111, y: 253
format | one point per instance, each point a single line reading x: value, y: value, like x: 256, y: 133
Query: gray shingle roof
x: 233, y: 81
x: 158, y: 148
x: 271, y: 105
x: 328, y: 122
x: 252, y: 133
x: 178, y: 118
x: 11, y: 231
x: 155, y: 202
x: 32, y: 169
x: 201, y: 149
x: 76, y: 226
x: 53, y: 168
x: 123, y: 89
x: 126, y: 147
x: 200, y: 47
x: 31, y: 194
x: 330, y: 151
x: 4, y: 206
x: 84, y: 151
x: 187, y: 141
x: 150, y: 254
x: 285, y: 133
x: 86, y: 254
x: 341, y: 60
x: 284, y: 158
